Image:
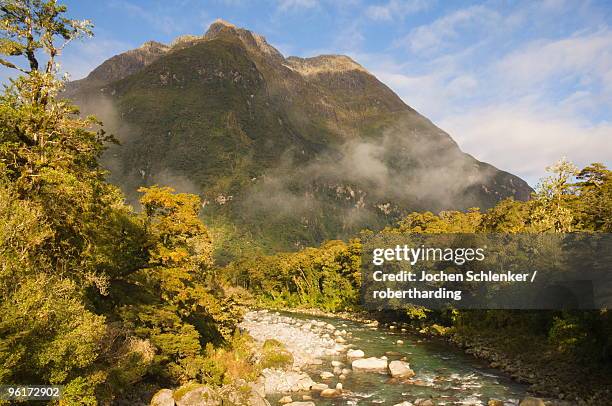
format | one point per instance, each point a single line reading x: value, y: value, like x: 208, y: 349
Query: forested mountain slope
x: 291, y: 151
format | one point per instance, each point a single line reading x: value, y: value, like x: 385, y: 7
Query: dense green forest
x: 114, y: 303
x: 93, y: 295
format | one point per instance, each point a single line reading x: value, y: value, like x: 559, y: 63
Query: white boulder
x: 371, y: 364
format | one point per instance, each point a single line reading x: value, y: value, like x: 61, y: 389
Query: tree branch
x: 11, y: 65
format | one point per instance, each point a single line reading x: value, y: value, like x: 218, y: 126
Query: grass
x: 275, y: 355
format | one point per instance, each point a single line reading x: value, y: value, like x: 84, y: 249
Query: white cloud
x: 585, y: 57
x: 524, y: 140
x: 519, y: 104
x: 285, y: 5
x: 432, y: 36
x: 395, y: 9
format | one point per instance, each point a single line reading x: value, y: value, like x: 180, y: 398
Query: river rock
x: 529, y: 401
x: 404, y: 403
x: 200, y: 396
x: 338, y: 348
x: 424, y: 402
x: 163, y: 398
x: 354, y: 354
x: 257, y: 396
x: 258, y: 387
x: 277, y: 381
x: 371, y: 364
x: 256, y: 400
x: 326, y: 375
x: 318, y: 387
x: 330, y: 393
x: 285, y: 400
x: 400, y: 369
x: 495, y: 402
x: 337, y: 363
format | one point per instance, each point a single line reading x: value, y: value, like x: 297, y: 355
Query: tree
x: 30, y: 26
x: 92, y: 295
x: 180, y: 249
x: 48, y: 154
x: 594, y: 187
x: 550, y: 210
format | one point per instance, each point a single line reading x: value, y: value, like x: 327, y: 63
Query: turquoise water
x: 444, y: 374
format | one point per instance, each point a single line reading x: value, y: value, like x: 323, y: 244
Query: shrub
x: 274, y: 355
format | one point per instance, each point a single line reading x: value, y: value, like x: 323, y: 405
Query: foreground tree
x: 92, y: 295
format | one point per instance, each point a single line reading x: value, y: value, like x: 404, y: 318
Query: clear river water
x: 444, y: 373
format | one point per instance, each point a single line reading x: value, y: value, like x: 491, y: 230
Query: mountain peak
x: 218, y: 26
x: 221, y: 21
x: 323, y: 64
x: 184, y: 39
x: 152, y: 46
x: 253, y: 41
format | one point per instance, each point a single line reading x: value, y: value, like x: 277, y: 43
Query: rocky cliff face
x: 290, y: 150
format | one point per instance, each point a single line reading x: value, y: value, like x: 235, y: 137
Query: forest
x: 114, y: 302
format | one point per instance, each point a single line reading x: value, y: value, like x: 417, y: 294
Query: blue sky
x: 518, y: 84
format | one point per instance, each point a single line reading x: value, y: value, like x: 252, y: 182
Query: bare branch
x: 11, y: 65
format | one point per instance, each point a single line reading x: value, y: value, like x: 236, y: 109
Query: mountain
x: 284, y: 151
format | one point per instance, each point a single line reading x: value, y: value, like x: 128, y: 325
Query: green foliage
x: 93, y: 296
x: 271, y: 344
x: 32, y: 25
x: 568, y: 200
x: 274, y: 355
x: 226, y: 365
x: 327, y: 277
x: 180, y: 392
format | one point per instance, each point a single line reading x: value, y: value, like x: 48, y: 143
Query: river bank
x: 560, y: 381
x: 359, y: 363
x: 354, y: 359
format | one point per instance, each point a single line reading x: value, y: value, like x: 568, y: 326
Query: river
x: 444, y: 374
